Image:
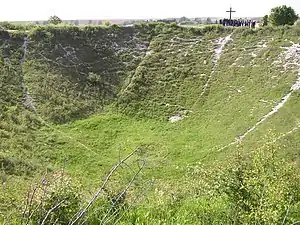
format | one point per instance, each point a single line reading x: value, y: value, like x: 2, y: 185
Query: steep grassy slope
x: 16, y: 121
x: 73, y: 72
x: 172, y: 74
x: 222, y: 86
x: 250, y: 83
x: 17, y: 124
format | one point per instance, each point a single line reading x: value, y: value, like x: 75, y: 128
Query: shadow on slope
x: 72, y: 72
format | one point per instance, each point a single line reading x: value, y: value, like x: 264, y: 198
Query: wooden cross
x: 231, y: 11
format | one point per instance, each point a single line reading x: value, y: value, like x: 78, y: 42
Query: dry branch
x: 51, y: 210
x: 81, y: 213
x: 123, y: 192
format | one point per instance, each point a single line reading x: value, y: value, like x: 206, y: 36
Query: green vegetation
x: 54, y: 20
x: 106, y: 23
x: 15, y: 26
x: 283, y: 15
x: 74, y: 100
x: 265, y: 20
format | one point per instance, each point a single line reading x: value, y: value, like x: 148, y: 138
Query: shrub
x: 261, y: 188
x: 265, y: 20
x: 56, y: 200
x: 7, y: 26
x: 297, y: 28
x: 12, y: 166
x: 283, y: 15
x: 54, y: 20
x: 106, y: 23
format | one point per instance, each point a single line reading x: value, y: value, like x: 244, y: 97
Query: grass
x: 93, y: 114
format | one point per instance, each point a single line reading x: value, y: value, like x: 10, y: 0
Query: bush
x: 7, y: 26
x: 54, y: 20
x: 261, y: 188
x: 12, y: 166
x: 265, y: 20
x: 297, y: 28
x: 106, y: 23
x: 55, y: 201
x: 283, y: 15
x: 256, y: 188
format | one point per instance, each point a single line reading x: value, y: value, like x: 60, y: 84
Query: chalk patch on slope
x: 147, y: 52
x: 265, y: 117
x: 175, y: 119
x: 292, y: 53
x: 221, y: 43
x: 295, y: 129
x: 262, y: 44
x: 191, y: 42
x: 218, y: 51
x: 296, y: 85
x: 253, y: 54
x: 180, y: 116
x: 25, y: 44
x: 217, y: 55
x: 28, y: 101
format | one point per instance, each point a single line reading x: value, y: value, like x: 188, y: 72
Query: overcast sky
x: 134, y: 9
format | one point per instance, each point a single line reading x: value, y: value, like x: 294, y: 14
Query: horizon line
x: 113, y: 19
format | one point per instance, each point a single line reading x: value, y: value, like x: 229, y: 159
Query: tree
x: 106, y: 23
x: 198, y: 20
x: 8, y: 26
x: 183, y: 19
x: 265, y: 20
x: 54, y: 20
x: 208, y: 21
x: 282, y: 15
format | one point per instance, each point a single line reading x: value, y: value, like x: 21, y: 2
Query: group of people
x: 238, y: 23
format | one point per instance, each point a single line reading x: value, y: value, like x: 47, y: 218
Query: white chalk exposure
x: 25, y: 44
x: 27, y: 99
x: 179, y: 116
x: 291, y: 53
x: 265, y: 117
x: 296, y: 85
x: 217, y: 55
x: 175, y: 119
x: 291, y: 57
x: 221, y: 42
x: 218, y: 51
